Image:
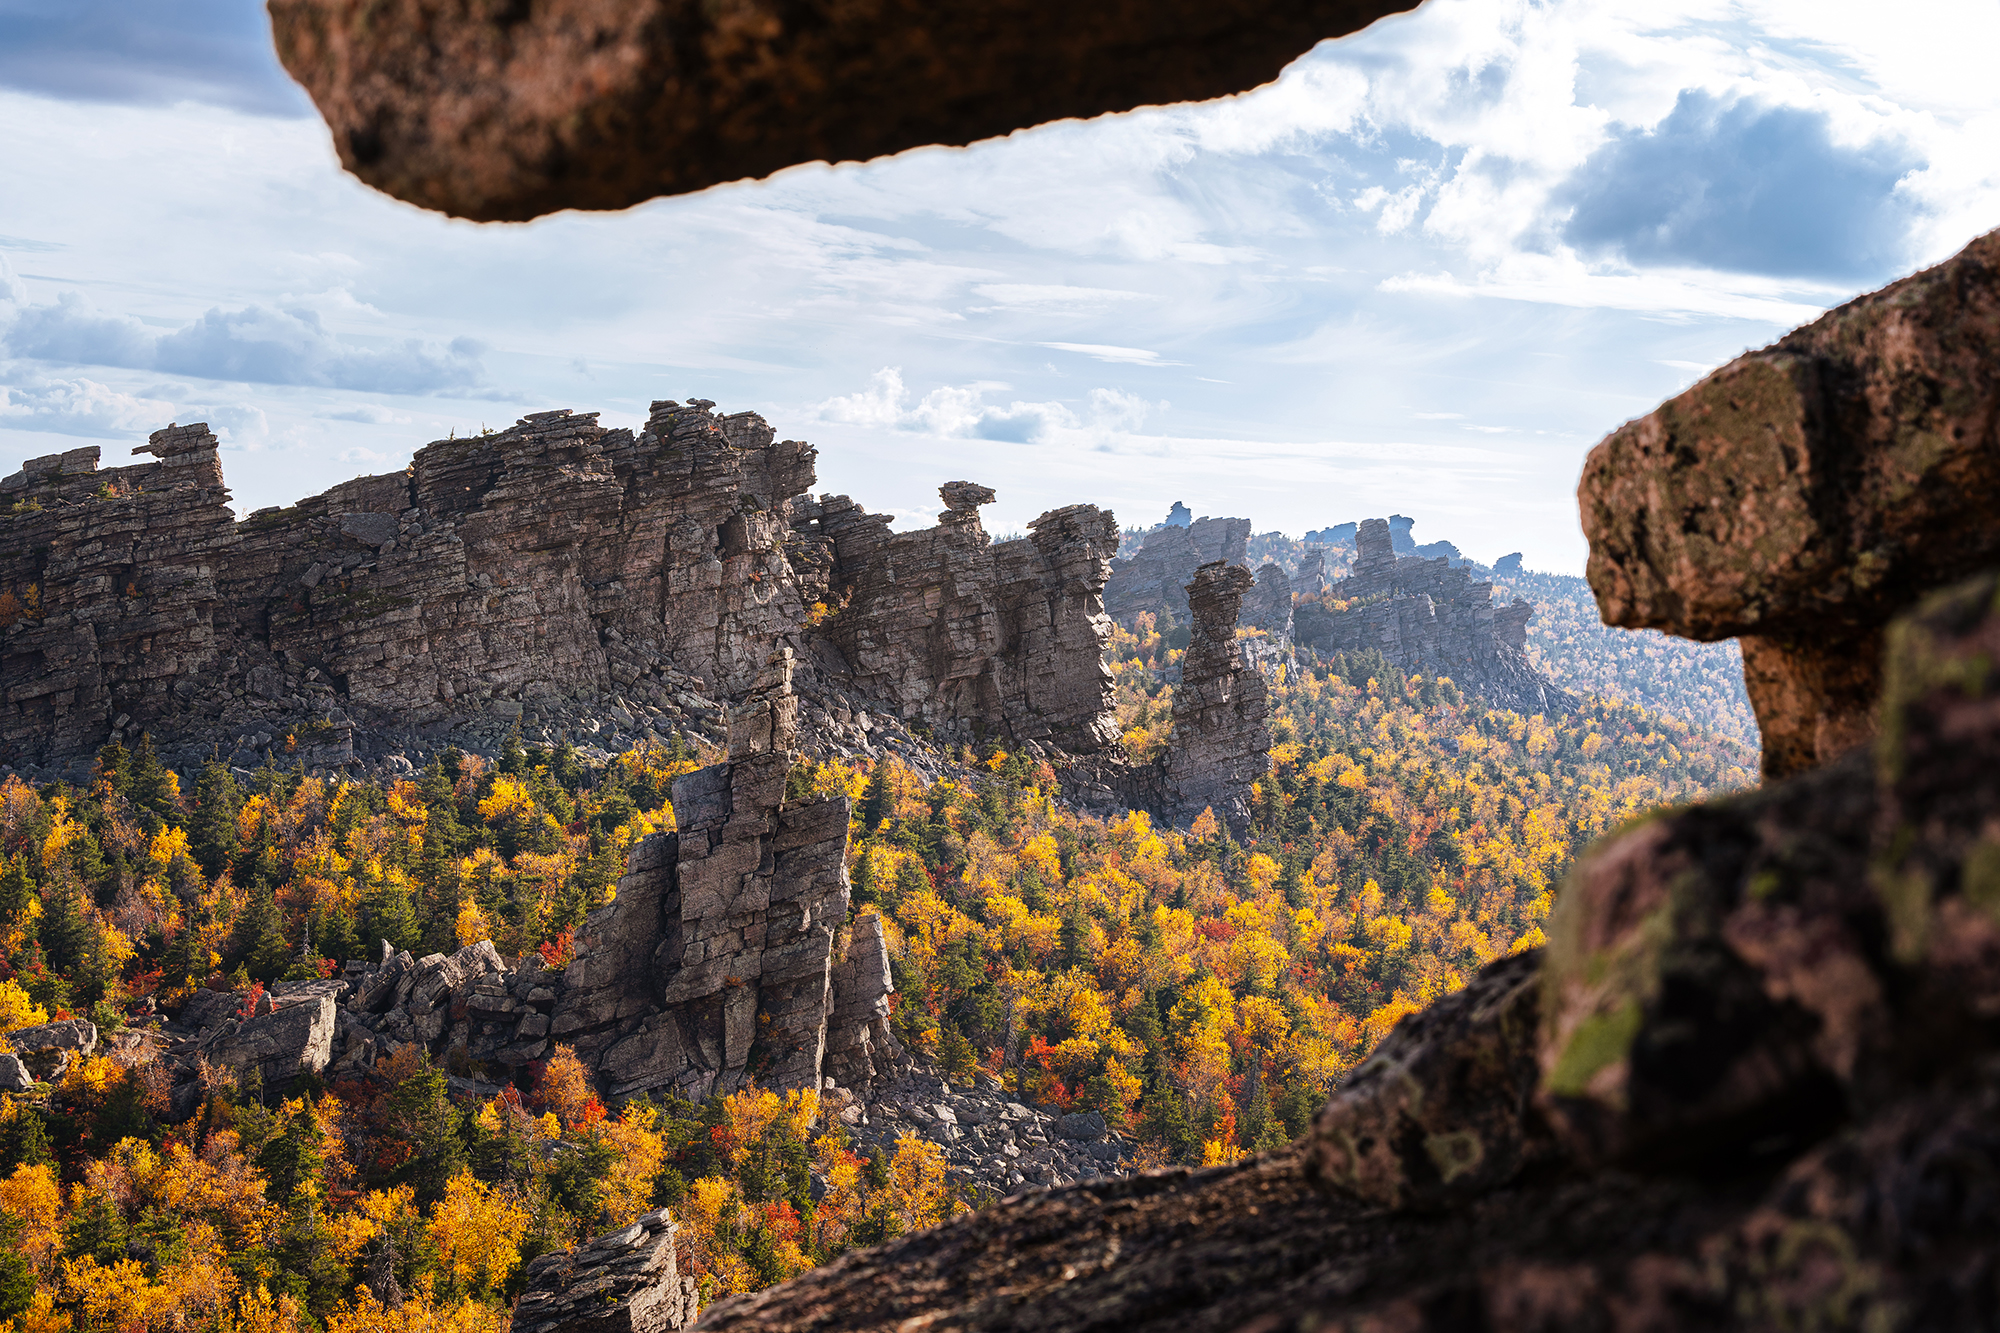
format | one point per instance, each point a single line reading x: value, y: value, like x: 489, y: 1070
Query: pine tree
x: 212, y: 832
x: 879, y: 801
x: 153, y: 788
x: 64, y: 929
x: 114, y: 767
x: 259, y: 937
x: 428, y: 1124
x: 15, y: 889
x: 387, y: 914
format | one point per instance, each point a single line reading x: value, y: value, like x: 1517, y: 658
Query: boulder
x: 14, y: 1076
x: 1443, y: 1109
x: 1802, y: 495
x: 279, y: 1046
x: 626, y: 1281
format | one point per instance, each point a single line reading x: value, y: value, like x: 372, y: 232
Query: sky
x: 1422, y: 272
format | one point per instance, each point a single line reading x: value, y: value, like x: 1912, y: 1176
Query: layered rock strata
x: 625, y: 1281
x: 718, y: 967
x: 1220, y: 740
x: 1750, y: 1084
x: 972, y: 640
x: 1155, y: 578
x: 557, y: 575
x: 596, y: 104
x: 1802, y: 494
x: 1426, y: 616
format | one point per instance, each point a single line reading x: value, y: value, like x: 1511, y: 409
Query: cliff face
x: 551, y: 567
x: 974, y: 640
x: 1424, y: 615
x: 1155, y: 578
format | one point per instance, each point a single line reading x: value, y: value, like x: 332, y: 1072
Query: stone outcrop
x: 552, y: 560
x: 625, y: 1281
x: 972, y: 640
x: 602, y: 104
x: 860, y: 1048
x: 1268, y: 606
x: 604, y: 584
x: 288, y: 1035
x: 1220, y: 740
x: 991, y: 1142
x: 1751, y: 1083
x: 1802, y: 494
x: 1426, y: 616
x: 1155, y: 578
x: 718, y: 966
x: 46, y: 1050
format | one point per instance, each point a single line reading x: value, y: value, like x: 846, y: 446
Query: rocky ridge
x: 559, y: 579
x: 1428, y: 616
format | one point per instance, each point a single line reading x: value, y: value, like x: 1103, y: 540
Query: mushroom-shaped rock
x: 1802, y: 495
x: 964, y: 496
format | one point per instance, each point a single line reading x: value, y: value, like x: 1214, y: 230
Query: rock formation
x: 750, y: 893
x: 556, y: 571
x: 595, y: 104
x: 1155, y: 577
x: 1424, y: 615
x: 972, y: 640
x: 1802, y: 494
x: 625, y: 1281
x: 1340, y: 534
x: 1268, y: 606
x: 1751, y: 1083
x: 1220, y: 741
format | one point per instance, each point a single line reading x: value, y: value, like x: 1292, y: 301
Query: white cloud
x: 1124, y: 356
x: 77, y: 407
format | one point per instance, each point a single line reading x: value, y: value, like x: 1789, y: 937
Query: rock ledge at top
x: 507, y: 112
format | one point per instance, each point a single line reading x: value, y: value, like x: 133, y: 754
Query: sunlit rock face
x: 1803, y: 494
x: 603, y: 584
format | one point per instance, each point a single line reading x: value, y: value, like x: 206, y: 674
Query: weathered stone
x: 279, y: 1046
x: 1268, y: 606
x: 1220, y: 740
x: 1443, y: 1110
x: 592, y: 104
x: 70, y: 1034
x: 1802, y: 495
x: 970, y: 639
x: 627, y: 1281
x: 860, y: 1048
x: 1155, y: 578
x: 1426, y: 616
x: 14, y: 1076
x: 713, y: 963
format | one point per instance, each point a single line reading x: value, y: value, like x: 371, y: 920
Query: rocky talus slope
x: 1752, y: 1082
